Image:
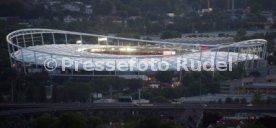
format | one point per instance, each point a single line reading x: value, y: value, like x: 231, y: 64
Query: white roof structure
x: 35, y: 46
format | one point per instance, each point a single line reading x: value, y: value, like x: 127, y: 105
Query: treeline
x: 152, y: 16
x: 73, y: 91
x: 87, y: 120
x: 16, y: 87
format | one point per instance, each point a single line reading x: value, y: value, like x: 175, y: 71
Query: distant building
x: 97, y: 95
x: 154, y: 85
x: 257, y: 88
x: 220, y: 98
x: 88, y: 9
x: 134, y: 17
x: 142, y: 77
x: 69, y: 19
x: 10, y: 19
x: 213, y: 98
x: 250, y: 85
x: 71, y: 7
x: 51, y: 3
x: 202, y: 11
x: 171, y: 15
x: 239, y: 120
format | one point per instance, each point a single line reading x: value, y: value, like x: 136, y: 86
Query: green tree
x: 149, y: 123
x: 164, y: 76
x: 255, y: 73
x: 77, y: 91
x: 257, y: 99
x: 237, y: 100
x: 170, y: 34
x: 71, y: 120
x: 254, y: 125
x: 135, y: 84
x: 243, y: 101
x: 228, y: 100
x: 240, y: 35
x: 159, y: 99
x: 93, y: 122
x: 45, y: 121
x: 132, y: 124
x: 129, y: 35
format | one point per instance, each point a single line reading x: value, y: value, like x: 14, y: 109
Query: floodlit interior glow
x: 80, y: 49
x: 130, y: 49
x: 173, y: 52
x: 102, y: 39
x: 78, y: 42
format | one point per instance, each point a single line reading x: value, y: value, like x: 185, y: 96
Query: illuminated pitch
x: 133, y: 50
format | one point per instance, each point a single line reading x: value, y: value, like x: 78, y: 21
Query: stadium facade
x: 30, y: 49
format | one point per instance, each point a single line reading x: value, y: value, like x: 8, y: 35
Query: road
x: 21, y: 109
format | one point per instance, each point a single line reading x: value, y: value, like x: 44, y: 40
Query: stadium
x: 31, y: 49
